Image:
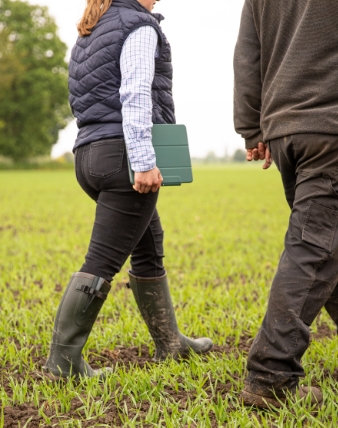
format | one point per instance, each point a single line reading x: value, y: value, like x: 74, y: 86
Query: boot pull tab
x: 91, y: 291
x: 89, y: 296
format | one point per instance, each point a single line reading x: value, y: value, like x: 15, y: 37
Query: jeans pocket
x: 105, y: 157
x: 320, y: 226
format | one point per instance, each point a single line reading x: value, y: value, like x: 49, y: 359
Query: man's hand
x: 262, y: 152
x: 148, y: 180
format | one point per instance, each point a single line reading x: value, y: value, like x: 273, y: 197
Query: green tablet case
x: 172, y: 154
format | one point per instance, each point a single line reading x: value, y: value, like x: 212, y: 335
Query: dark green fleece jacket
x: 286, y: 69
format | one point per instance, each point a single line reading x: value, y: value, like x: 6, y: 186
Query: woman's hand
x: 148, y: 180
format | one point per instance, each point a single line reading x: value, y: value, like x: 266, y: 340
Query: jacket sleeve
x: 248, y: 84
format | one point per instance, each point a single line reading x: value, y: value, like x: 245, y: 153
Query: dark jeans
x: 126, y: 222
x: 307, y: 274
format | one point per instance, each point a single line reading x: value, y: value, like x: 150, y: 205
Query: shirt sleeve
x: 137, y: 64
x: 248, y: 85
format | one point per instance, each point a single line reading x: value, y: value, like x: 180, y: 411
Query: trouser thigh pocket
x: 320, y: 225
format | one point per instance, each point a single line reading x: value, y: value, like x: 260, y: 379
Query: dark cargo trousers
x: 307, y: 274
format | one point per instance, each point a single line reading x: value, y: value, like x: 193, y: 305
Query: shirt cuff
x: 142, y: 159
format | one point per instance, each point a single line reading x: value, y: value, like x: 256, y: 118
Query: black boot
x: 154, y: 302
x: 74, y: 320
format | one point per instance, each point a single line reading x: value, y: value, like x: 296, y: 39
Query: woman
x: 120, y: 81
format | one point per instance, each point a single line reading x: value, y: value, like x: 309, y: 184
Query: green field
x: 223, y: 238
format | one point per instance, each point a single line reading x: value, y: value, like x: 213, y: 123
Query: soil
x: 19, y: 415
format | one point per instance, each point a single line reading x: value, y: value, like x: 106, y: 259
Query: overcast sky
x: 203, y: 36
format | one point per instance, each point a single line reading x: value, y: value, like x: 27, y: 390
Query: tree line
x: 238, y: 156
x: 33, y: 84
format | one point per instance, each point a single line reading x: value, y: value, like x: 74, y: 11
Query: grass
x: 223, y: 238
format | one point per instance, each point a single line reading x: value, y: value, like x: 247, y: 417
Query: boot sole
x: 251, y: 399
x: 102, y: 374
x: 184, y: 355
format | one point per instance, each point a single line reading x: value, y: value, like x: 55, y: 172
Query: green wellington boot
x: 74, y: 320
x: 154, y: 302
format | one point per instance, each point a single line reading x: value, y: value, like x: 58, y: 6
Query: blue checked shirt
x: 137, y: 64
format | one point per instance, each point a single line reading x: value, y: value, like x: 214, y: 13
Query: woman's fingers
x: 148, y: 181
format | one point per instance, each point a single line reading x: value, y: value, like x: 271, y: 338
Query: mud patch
x: 134, y: 355
x: 323, y: 332
x: 140, y: 355
x: 31, y: 416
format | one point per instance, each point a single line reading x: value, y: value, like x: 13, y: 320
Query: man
x: 286, y: 108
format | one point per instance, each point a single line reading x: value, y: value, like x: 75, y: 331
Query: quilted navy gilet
x: 95, y: 76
